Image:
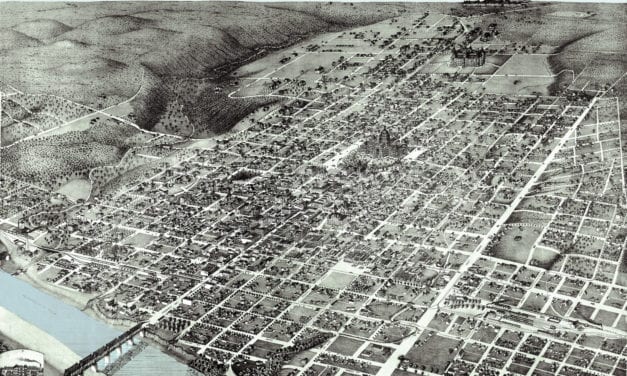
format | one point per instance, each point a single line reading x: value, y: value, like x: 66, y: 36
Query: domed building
x: 383, y: 145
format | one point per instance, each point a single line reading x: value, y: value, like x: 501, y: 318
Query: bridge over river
x: 90, y: 362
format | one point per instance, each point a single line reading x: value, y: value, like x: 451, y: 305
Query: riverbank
x: 121, y: 325
x: 71, y: 297
x: 25, y: 270
x: 68, y: 296
x: 74, y: 298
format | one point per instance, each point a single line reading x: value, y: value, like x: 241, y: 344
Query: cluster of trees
x: 173, y: 324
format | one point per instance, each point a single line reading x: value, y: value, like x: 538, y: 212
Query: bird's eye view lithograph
x: 313, y: 188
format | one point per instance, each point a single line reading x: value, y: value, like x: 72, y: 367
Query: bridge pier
x: 104, y: 354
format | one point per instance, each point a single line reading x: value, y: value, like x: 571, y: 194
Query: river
x: 78, y: 331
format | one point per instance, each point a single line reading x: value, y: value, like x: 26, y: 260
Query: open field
x: 433, y: 351
x: 516, y: 243
x: 76, y: 189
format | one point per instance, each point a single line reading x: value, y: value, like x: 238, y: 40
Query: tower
x: 384, y: 137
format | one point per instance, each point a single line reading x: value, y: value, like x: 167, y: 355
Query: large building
x: 384, y: 145
x: 21, y: 363
x: 467, y: 57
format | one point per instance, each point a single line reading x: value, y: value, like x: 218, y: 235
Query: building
x: 384, y: 145
x: 467, y: 57
x: 4, y: 256
x: 21, y: 363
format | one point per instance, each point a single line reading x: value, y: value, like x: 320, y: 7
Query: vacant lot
x: 515, y: 242
x: 345, y: 346
x: 337, y: 280
x: 523, y: 65
x: 433, y: 351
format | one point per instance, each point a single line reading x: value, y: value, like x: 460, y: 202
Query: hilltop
x: 42, y: 29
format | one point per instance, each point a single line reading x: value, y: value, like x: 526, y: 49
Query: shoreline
x: 75, y: 299
x: 26, y: 272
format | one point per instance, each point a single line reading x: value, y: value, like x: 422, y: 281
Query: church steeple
x: 384, y: 137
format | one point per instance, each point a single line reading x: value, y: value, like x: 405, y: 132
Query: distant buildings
x: 495, y: 2
x: 467, y: 57
x: 21, y: 363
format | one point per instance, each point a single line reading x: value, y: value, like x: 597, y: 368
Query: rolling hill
x: 42, y: 29
x: 11, y: 39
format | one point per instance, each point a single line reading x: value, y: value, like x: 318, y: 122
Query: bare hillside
x: 42, y: 29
